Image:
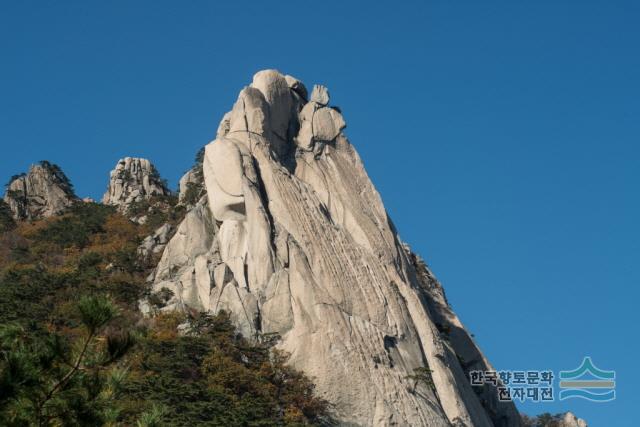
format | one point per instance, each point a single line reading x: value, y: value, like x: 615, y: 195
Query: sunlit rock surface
x: 133, y: 180
x: 42, y: 192
x: 293, y: 238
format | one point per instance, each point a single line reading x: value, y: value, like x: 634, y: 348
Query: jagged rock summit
x: 566, y: 419
x: 292, y: 238
x: 42, y: 192
x: 570, y: 420
x: 133, y: 180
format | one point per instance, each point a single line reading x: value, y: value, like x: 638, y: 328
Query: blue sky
x: 502, y: 135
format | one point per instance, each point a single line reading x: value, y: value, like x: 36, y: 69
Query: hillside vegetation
x: 75, y: 351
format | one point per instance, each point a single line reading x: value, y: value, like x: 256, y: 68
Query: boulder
x: 250, y: 114
x: 318, y: 124
x: 320, y: 95
x: 275, y: 89
x: 297, y: 86
x: 156, y: 242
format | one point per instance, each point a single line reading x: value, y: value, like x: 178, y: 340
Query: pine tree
x: 47, y: 380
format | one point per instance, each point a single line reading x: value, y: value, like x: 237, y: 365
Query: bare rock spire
x: 133, y: 180
x: 293, y: 239
x: 42, y: 192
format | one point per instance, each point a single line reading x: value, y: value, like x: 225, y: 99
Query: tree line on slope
x: 74, y: 350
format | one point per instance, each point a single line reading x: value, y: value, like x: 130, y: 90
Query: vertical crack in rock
x: 264, y: 198
x: 292, y: 238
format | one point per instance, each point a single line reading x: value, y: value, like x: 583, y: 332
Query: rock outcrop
x: 42, y: 192
x: 191, y: 185
x: 566, y: 419
x: 570, y: 420
x: 133, y: 180
x: 156, y: 242
x: 292, y: 238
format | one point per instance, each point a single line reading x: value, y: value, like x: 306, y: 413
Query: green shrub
x: 193, y: 193
x: 213, y: 376
x: 6, y: 217
x: 207, y: 374
x: 76, y: 227
x: 88, y: 260
x: 46, y: 380
x: 126, y: 259
x: 29, y: 294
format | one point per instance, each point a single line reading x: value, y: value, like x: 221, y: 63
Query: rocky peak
x: 133, y: 180
x: 155, y: 242
x: 567, y: 419
x: 293, y: 239
x: 42, y: 192
x: 275, y: 106
x: 570, y: 420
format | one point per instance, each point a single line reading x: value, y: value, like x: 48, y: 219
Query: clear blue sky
x: 504, y: 137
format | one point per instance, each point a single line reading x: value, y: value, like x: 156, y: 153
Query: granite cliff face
x: 293, y: 238
x: 133, y: 180
x: 42, y: 192
x: 284, y: 230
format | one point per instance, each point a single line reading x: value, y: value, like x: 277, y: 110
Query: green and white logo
x: 588, y: 382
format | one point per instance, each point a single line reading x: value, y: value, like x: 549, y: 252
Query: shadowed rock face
x: 293, y: 239
x: 42, y: 192
x: 133, y: 180
x: 191, y: 185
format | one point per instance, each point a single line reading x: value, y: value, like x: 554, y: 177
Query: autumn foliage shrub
x: 184, y: 369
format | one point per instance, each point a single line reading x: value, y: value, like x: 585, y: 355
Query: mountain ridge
x: 294, y: 239
x: 284, y: 230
